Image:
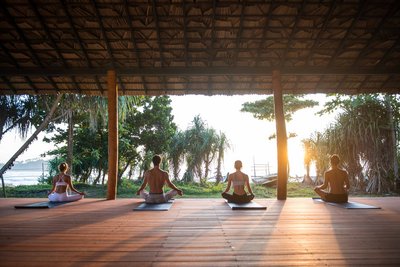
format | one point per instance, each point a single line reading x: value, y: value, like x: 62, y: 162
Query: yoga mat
x: 246, y: 206
x: 40, y: 205
x: 156, y: 206
x: 348, y: 205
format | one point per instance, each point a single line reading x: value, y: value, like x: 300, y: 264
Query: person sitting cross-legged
x: 336, y: 181
x: 61, y: 182
x: 156, y: 178
x: 238, y: 180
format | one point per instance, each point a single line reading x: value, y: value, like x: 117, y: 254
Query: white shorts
x: 64, y: 197
x: 157, y: 198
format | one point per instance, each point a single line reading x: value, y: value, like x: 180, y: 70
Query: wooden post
x: 112, y: 135
x: 281, y: 138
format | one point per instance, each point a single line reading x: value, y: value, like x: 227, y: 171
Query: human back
x: 338, y: 180
x: 336, y: 183
x: 156, y: 179
x: 61, y: 182
x: 239, y: 180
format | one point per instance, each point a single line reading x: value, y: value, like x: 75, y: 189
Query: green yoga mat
x: 347, y: 205
x: 154, y: 207
x: 40, y: 205
x: 246, y: 206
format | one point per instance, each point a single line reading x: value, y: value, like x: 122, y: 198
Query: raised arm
x: 53, y: 187
x: 171, y: 185
x: 228, y: 186
x: 326, y: 182
x: 72, y: 187
x: 248, y: 185
x: 144, y: 183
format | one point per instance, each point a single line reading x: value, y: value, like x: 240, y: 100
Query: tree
x: 40, y: 128
x: 264, y: 109
x: 176, y: 153
x: 223, y: 144
x: 90, y: 147
x: 210, y: 149
x: 147, y: 130
x: 147, y: 126
x: 363, y: 137
x: 308, y: 158
x: 19, y: 112
x: 86, y: 118
x: 96, y: 108
x: 316, y: 150
x: 193, y: 153
x: 203, y: 147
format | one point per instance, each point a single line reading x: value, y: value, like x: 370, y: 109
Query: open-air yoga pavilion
x: 113, y: 48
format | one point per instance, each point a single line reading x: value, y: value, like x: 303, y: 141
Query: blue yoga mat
x: 347, y: 205
x: 40, y: 205
x: 246, y: 206
x: 154, y: 207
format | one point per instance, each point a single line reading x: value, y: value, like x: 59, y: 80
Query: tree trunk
x: 218, y: 177
x: 97, y: 179
x: 121, y: 171
x: 2, y: 184
x: 41, y: 127
x: 130, y: 173
x: 70, y: 141
x: 102, y: 179
x: 99, y: 175
x: 307, y: 178
x: 281, y: 137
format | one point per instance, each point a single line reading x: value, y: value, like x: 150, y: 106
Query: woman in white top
x: 61, y: 182
x: 238, y: 180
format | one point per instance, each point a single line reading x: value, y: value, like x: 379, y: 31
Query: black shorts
x: 235, y: 198
x: 336, y: 198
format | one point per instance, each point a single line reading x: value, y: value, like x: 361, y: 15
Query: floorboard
x: 200, y: 232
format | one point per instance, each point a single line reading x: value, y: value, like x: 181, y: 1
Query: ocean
x: 22, y: 177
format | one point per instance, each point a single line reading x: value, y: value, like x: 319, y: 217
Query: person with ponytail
x: 238, y: 180
x: 61, y: 182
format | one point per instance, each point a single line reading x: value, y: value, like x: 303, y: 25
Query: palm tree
x: 316, y: 151
x: 20, y: 112
x: 223, y: 144
x: 209, y: 151
x: 41, y: 127
x: 96, y: 106
x: 177, y: 152
x: 308, y: 159
x: 194, y: 145
x: 362, y: 135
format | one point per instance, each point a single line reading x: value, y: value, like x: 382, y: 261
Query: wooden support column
x: 281, y: 138
x: 112, y: 135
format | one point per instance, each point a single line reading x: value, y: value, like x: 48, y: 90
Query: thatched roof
x: 199, y: 47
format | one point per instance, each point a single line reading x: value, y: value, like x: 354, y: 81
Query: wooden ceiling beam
x: 198, y: 71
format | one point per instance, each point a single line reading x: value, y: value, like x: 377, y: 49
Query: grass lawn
x: 128, y: 188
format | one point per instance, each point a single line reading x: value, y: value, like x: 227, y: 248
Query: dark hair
x: 335, y: 159
x: 63, y: 167
x: 156, y: 160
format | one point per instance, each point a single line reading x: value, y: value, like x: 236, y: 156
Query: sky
x: 247, y: 135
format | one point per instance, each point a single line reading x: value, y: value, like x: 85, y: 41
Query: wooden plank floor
x: 200, y: 232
